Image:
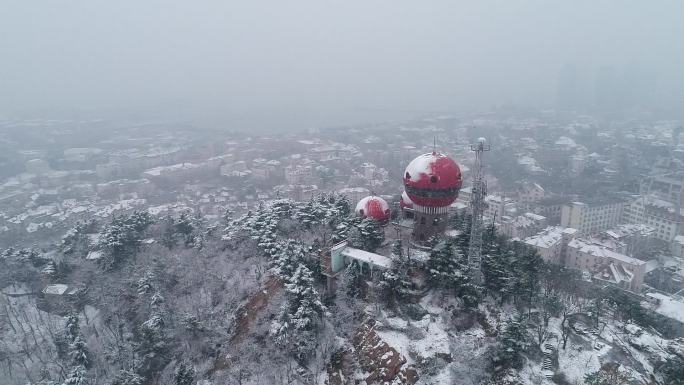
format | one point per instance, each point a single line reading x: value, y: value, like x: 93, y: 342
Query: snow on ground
x: 668, y: 306
x: 16, y: 290
x: 458, y: 355
x: 26, y: 337
x: 575, y: 361
x: 434, y: 338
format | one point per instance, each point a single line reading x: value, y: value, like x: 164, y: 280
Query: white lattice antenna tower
x: 477, y: 207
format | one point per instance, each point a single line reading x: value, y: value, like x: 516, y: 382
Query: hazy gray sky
x: 317, y: 62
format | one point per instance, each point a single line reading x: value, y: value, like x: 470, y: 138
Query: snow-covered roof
x: 565, y: 141
x: 630, y: 229
x: 94, y: 255
x: 353, y: 190
x: 602, y: 251
x: 535, y: 217
x: 365, y: 256
x: 549, y: 237
x: 56, y: 289
x: 157, y: 171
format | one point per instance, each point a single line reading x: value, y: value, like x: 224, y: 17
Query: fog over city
x: 292, y: 64
x: 341, y: 192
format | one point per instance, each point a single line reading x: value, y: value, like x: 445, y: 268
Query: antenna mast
x: 477, y: 207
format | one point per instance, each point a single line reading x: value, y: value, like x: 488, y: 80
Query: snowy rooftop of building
x: 535, y: 217
x: 353, y: 190
x: 157, y: 171
x: 94, y: 255
x: 602, y: 251
x: 365, y: 256
x: 56, y: 289
x: 627, y: 230
x: 452, y: 233
x: 549, y: 237
x: 493, y: 198
x: 566, y: 142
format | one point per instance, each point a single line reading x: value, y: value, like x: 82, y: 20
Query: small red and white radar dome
x: 432, y: 180
x: 373, y: 207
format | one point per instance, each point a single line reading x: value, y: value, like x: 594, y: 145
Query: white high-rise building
x: 591, y: 218
x: 665, y: 217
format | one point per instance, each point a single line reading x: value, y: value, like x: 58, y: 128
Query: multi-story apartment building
x: 591, y: 218
x: 529, y: 193
x: 522, y: 226
x: 678, y: 246
x: 605, y: 264
x: 298, y: 174
x: 562, y: 246
x: 665, y: 217
x: 551, y: 243
x: 498, y: 206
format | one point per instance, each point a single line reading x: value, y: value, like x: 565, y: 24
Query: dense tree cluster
x: 76, y: 241
x: 366, y: 234
x: 121, y: 238
x: 270, y: 222
x: 153, y: 339
x: 513, y: 342
x: 448, y: 267
x: 78, y: 354
x: 296, y: 326
x: 186, y: 229
x: 395, y: 284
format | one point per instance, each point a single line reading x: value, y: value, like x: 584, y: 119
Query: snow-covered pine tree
x: 72, y: 327
x: 341, y: 205
x: 526, y: 266
x: 78, y: 352
x: 288, y: 256
x: 152, y: 335
x: 307, y: 215
x: 75, y: 241
x: 128, y: 377
x: 366, y: 235
x: 354, y: 281
x: 144, y: 284
x: 76, y: 376
x: 183, y: 225
x: 341, y: 230
x: 185, y: 374
x: 470, y: 293
x: 449, y: 269
x: 121, y: 238
x: 513, y: 341
x: 442, y: 265
x: 395, y: 284
x: 296, y: 326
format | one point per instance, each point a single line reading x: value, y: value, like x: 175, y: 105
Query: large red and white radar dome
x: 373, y: 207
x: 432, y: 180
